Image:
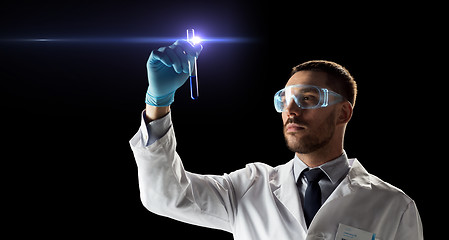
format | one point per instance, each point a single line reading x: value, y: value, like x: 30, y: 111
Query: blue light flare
x: 125, y: 40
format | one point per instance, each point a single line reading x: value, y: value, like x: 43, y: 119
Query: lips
x: 293, y: 127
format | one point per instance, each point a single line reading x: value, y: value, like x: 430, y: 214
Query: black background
x: 69, y: 109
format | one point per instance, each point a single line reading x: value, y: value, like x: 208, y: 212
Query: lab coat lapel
x: 357, y: 178
x: 284, y: 187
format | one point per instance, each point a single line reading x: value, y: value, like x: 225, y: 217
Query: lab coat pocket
x: 346, y: 232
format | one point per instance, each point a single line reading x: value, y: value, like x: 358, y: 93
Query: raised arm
x: 165, y: 187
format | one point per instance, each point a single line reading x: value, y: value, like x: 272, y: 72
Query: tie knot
x: 314, y: 175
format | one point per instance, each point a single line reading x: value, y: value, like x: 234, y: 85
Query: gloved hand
x: 168, y: 69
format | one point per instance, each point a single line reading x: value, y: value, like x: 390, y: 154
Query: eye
x: 308, y: 98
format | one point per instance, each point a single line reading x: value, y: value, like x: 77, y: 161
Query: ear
x: 345, y: 113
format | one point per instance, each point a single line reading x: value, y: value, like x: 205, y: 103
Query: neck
x: 320, y: 156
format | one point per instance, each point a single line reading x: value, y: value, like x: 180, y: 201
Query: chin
x: 292, y: 140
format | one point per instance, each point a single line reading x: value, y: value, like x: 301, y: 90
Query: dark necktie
x: 312, y: 199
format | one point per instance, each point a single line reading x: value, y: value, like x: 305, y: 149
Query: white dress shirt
x: 335, y: 171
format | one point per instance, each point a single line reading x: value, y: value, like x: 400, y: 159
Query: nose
x: 292, y: 109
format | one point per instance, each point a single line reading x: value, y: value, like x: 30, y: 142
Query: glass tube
x: 193, y: 73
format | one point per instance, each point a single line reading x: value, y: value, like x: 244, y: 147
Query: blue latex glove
x: 168, y: 69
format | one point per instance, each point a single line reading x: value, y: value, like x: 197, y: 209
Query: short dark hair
x: 340, y: 80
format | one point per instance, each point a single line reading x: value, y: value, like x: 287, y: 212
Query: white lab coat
x: 261, y: 202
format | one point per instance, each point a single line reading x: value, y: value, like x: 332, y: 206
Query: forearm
x: 152, y: 112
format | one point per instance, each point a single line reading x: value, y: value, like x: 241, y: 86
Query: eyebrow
x: 309, y: 89
x: 304, y: 89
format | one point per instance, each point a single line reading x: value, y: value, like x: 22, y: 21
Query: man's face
x: 307, y: 130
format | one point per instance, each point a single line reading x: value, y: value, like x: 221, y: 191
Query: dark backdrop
x: 70, y: 108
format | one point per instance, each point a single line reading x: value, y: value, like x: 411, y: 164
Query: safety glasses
x: 306, y: 97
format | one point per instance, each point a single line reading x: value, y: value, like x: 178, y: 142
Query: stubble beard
x: 310, y: 141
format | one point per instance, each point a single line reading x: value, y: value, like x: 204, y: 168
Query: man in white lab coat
x: 319, y: 194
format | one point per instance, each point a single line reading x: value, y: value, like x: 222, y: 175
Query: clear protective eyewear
x: 306, y: 97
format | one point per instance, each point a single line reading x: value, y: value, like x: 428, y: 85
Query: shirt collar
x: 334, y: 169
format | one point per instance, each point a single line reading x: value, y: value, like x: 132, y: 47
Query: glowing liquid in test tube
x: 192, y: 67
x: 193, y: 87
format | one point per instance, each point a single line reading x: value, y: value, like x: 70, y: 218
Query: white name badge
x: 346, y: 232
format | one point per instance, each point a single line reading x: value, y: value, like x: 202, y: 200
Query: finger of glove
x: 175, y: 58
x: 182, y: 65
x: 183, y: 58
x: 168, y: 57
x: 192, y: 50
x: 160, y: 56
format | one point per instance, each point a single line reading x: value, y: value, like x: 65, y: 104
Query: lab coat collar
x: 283, y: 186
x: 356, y: 178
x: 357, y: 175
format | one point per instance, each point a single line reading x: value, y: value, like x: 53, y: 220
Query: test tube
x: 192, y: 68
